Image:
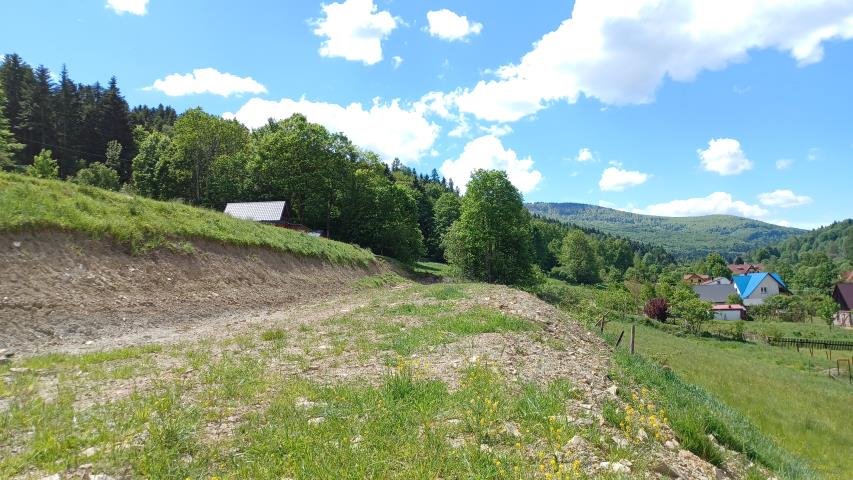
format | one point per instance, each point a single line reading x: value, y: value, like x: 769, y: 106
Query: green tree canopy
x: 491, y: 240
x: 716, y: 266
x: 8, y: 146
x: 44, y: 166
x: 579, y: 262
x: 98, y: 175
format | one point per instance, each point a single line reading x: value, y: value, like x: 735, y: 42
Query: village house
x: 843, y: 295
x: 695, y: 278
x: 746, y: 268
x: 718, y: 281
x: 754, y: 288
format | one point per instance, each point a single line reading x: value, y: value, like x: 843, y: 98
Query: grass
x: 441, y: 326
x: 143, y: 224
x: 761, y: 390
x: 784, y: 329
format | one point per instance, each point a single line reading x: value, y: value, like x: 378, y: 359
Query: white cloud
x: 620, y: 51
x: 497, y: 130
x: 813, y: 154
x: 724, y: 156
x: 354, y: 30
x: 784, y: 163
x: 487, y: 152
x: 450, y: 26
x: 614, y: 179
x: 206, y: 80
x: 585, y: 155
x: 135, y: 7
x: 783, y: 199
x: 385, y: 128
x: 397, y: 60
x: 717, y: 203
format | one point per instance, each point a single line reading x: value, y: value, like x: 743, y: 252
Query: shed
x: 843, y: 295
x: 729, y: 312
x: 265, y: 212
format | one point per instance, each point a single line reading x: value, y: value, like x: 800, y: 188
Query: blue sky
x: 656, y: 106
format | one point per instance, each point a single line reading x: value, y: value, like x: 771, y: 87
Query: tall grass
x: 143, y: 224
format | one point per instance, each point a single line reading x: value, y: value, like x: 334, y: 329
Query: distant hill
x: 835, y: 240
x: 683, y: 237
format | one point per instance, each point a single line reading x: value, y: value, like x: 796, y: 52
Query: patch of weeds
x: 447, y: 328
x: 381, y: 280
x: 273, y: 335
x: 233, y: 378
x: 303, y: 328
x: 67, y: 360
x: 445, y: 292
x: 612, y: 413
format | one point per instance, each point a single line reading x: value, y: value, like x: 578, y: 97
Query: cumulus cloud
x: 615, y: 179
x: 135, y: 7
x: 206, y: 80
x: 724, y: 156
x: 585, y: 155
x: 487, y: 152
x: 450, y: 26
x: 397, y: 60
x: 385, y: 128
x: 717, y: 203
x: 354, y: 30
x: 784, y: 163
x: 620, y: 52
x: 783, y: 199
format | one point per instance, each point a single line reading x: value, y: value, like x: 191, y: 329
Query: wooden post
x: 619, y: 340
x: 633, y: 329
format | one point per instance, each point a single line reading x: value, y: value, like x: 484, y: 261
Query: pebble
x: 665, y: 470
x: 671, y: 444
x: 89, y: 452
x: 512, y: 429
x: 612, y: 390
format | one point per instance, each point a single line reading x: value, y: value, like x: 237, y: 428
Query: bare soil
x: 60, y: 290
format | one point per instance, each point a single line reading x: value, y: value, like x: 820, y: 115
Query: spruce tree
x: 115, y: 125
x: 15, y: 77
x: 8, y: 146
x: 36, y: 115
x: 68, y: 123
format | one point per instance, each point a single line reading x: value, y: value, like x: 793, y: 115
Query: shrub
x: 657, y: 308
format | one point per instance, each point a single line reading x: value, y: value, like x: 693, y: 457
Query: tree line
x: 87, y: 134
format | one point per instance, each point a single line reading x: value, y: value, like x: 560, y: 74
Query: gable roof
x: 843, y: 294
x: 715, y: 293
x: 257, y: 211
x: 744, y: 268
x: 701, y: 276
x: 746, y: 284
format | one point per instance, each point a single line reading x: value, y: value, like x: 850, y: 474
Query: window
x: 763, y: 289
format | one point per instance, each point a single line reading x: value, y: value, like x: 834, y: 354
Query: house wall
x: 726, y: 315
x: 844, y: 318
x: 758, y: 296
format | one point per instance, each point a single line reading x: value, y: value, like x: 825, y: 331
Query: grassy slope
x: 143, y: 224
x: 230, y: 408
x: 681, y: 236
x: 777, y: 389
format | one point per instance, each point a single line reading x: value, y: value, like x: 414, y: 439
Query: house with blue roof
x: 754, y: 288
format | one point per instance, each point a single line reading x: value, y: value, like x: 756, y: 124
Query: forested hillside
x: 684, y: 237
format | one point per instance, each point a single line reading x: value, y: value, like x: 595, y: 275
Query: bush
x: 97, y: 175
x: 657, y: 308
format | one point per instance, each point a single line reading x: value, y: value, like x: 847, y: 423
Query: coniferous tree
x: 15, y: 77
x: 68, y: 123
x: 36, y: 115
x: 114, y: 122
x: 8, y: 146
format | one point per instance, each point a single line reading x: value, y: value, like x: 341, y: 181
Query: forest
x: 88, y: 134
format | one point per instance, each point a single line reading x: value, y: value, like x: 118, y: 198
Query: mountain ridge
x: 684, y: 237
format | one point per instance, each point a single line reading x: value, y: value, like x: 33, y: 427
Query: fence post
x: 619, y: 340
x: 633, y: 331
